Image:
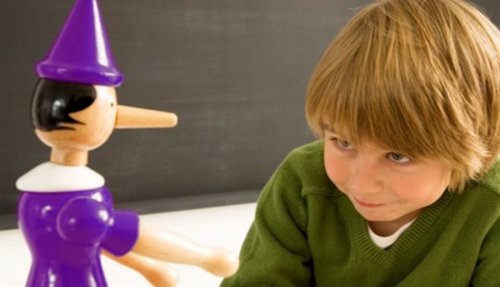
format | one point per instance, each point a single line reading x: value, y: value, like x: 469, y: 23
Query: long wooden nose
x: 136, y: 118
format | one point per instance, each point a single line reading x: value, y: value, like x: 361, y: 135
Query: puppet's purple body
x: 66, y: 231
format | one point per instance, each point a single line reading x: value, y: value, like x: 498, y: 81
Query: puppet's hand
x: 219, y: 261
x: 83, y: 220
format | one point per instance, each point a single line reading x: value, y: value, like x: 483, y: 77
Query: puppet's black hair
x: 54, y: 101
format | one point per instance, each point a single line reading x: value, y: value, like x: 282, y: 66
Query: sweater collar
x: 409, y: 239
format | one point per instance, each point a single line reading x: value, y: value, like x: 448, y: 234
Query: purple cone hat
x: 81, y: 53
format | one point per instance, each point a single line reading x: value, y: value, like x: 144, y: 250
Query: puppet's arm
x: 165, y: 245
x: 154, y: 246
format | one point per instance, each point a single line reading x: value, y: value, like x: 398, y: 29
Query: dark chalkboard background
x: 235, y: 72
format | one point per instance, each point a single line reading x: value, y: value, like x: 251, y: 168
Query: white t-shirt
x: 386, y: 241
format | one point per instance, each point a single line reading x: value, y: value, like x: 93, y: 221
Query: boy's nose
x: 132, y: 118
x: 365, y: 179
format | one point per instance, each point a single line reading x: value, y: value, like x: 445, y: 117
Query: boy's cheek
x: 337, y: 173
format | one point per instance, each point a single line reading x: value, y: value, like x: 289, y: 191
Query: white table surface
x: 224, y: 226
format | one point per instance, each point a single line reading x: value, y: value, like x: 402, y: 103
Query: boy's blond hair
x: 421, y: 77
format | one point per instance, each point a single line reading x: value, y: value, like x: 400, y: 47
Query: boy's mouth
x: 367, y: 204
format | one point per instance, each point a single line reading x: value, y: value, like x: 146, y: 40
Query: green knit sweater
x: 307, y: 233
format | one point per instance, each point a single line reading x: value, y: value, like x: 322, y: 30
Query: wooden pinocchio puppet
x: 65, y: 210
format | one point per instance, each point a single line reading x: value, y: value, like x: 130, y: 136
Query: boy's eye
x: 398, y: 158
x: 342, y: 144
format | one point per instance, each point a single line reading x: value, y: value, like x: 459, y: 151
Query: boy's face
x: 383, y: 185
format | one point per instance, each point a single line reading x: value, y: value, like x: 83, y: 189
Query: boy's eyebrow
x: 327, y: 128
x: 330, y: 129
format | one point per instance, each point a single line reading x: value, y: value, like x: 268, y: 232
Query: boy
x: 403, y: 188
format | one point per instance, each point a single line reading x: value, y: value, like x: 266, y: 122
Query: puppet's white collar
x: 51, y: 177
